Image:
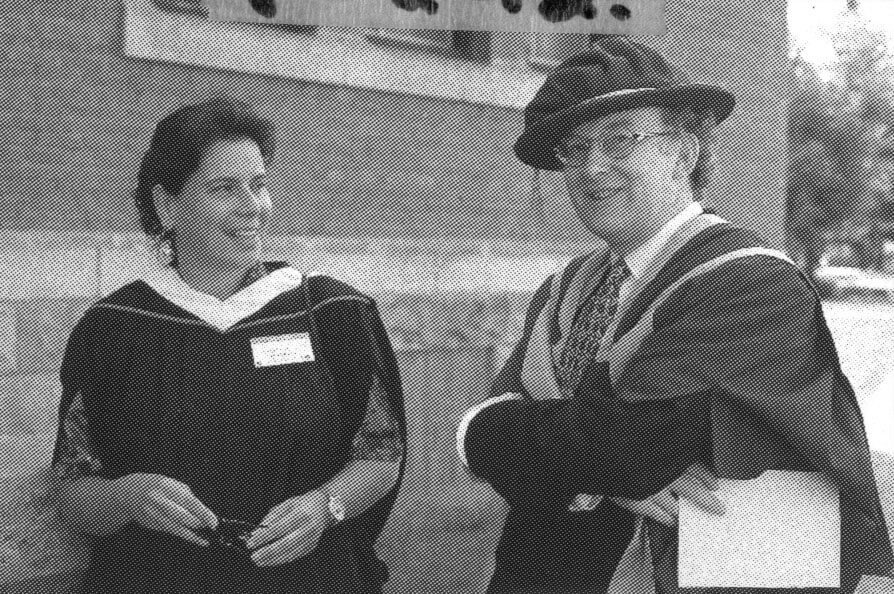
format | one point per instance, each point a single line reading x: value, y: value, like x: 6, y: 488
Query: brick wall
x: 77, y: 115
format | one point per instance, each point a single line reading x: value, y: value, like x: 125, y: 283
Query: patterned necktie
x: 590, y: 324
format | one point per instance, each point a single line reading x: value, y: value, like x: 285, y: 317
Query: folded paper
x: 781, y: 530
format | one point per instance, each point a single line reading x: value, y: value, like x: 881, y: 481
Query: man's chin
x: 603, y: 232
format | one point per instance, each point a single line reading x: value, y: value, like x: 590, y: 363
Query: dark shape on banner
x: 561, y: 10
x: 265, y: 8
x: 512, y: 6
x: 428, y: 6
x: 620, y: 12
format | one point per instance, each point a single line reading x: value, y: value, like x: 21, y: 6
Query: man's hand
x: 696, y: 484
x: 161, y: 503
x: 293, y: 529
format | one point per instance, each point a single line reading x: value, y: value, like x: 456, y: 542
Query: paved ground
x: 864, y: 334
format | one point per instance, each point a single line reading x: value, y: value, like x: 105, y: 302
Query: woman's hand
x: 161, y: 503
x: 293, y: 529
x: 696, y: 484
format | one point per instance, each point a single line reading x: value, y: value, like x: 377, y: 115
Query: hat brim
x: 537, y: 144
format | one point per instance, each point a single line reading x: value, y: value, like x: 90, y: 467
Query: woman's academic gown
x: 167, y: 393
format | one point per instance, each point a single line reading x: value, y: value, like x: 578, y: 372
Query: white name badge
x: 281, y: 349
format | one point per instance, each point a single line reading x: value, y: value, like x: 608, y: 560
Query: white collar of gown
x: 222, y: 314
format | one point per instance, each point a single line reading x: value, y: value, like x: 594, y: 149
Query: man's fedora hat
x: 615, y: 75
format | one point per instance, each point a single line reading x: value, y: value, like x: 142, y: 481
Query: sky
x: 808, y: 19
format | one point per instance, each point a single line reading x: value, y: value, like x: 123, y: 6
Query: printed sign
x: 619, y: 17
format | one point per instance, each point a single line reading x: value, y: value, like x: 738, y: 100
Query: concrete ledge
x: 864, y: 336
x: 24, y: 454
x: 30, y: 274
x: 34, y: 547
x: 29, y: 405
x: 62, y: 583
x: 44, y: 264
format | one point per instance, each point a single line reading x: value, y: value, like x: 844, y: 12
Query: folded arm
x: 532, y: 450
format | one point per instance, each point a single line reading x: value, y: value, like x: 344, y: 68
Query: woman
x: 227, y: 424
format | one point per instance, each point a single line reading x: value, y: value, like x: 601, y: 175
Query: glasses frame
x: 600, y: 141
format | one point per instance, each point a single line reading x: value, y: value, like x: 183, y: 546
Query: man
x: 686, y: 346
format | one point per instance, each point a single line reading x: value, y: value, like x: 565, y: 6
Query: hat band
x: 623, y: 92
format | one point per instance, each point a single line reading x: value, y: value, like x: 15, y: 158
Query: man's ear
x: 163, y: 203
x: 689, y: 151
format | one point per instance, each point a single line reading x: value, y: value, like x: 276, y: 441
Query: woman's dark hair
x: 180, y: 142
x: 702, y: 125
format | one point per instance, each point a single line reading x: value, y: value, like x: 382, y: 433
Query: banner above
x: 609, y: 17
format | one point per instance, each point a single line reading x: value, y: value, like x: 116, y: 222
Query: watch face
x: 337, y: 508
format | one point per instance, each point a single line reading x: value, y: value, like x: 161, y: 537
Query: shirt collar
x: 640, y: 258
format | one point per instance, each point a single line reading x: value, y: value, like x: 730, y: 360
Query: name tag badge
x: 281, y: 349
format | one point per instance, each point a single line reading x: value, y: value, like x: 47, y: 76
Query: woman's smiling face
x: 223, y: 210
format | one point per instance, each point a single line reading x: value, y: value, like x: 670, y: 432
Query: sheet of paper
x: 780, y: 530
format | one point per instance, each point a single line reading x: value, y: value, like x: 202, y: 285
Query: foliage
x: 840, y: 146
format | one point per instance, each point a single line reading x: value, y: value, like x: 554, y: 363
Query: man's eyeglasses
x: 575, y: 150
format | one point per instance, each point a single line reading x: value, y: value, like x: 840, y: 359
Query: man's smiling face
x: 625, y: 196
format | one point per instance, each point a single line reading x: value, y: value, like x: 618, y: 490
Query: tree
x: 839, y: 134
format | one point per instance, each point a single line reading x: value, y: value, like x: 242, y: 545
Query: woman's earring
x: 166, y: 253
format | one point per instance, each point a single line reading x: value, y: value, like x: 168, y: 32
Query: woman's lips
x: 602, y: 194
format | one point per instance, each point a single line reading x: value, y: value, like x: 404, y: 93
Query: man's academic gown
x: 739, y: 372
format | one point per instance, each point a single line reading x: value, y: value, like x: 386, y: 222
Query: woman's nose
x: 249, y: 200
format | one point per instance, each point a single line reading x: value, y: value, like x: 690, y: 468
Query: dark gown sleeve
x: 378, y: 438
x: 360, y: 352
x: 75, y: 456
x: 753, y: 332
x: 72, y: 453
x: 554, y: 449
x: 546, y: 451
x: 368, y: 526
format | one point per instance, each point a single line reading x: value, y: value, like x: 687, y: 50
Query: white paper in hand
x: 781, y: 530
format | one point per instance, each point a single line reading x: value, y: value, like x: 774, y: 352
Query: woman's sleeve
x: 379, y: 436
x: 75, y: 457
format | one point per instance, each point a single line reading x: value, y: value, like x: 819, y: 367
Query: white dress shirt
x: 639, y: 259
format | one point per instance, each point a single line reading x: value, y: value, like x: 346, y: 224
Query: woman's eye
x: 221, y: 188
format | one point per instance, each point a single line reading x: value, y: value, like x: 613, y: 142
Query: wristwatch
x: 336, y: 508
